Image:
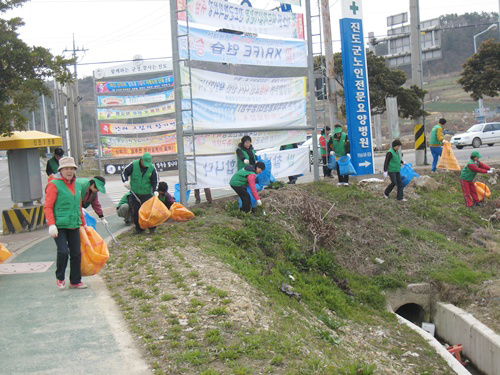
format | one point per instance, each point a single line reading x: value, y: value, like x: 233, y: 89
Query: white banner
x: 134, y: 68
x: 216, y: 171
x: 209, y: 144
x: 223, y: 14
x: 120, y: 114
x: 217, y: 115
x: 244, y: 90
x: 206, y: 45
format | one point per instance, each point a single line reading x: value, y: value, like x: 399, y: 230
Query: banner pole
x: 178, y: 103
x: 312, y: 96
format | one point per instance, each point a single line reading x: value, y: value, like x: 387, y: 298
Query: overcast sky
x: 119, y: 29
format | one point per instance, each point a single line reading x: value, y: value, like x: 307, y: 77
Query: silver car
x: 477, y: 135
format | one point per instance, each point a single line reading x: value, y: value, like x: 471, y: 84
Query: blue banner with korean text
x: 357, y: 93
x: 205, y: 45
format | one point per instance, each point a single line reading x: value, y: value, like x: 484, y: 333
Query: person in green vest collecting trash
x: 436, y: 143
x: 325, y: 151
x: 53, y: 162
x: 473, y: 167
x: 143, y: 183
x: 245, y: 152
x: 90, y: 188
x: 340, y: 146
x: 246, y: 177
x: 123, y: 209
x: 392, y: 167
x: 63, y: 211
x: 164, y: 195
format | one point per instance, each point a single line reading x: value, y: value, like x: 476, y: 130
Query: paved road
x: 115, y: 189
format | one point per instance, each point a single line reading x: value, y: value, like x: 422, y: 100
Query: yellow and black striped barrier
x: 419, y: 137
x: 23, y: 219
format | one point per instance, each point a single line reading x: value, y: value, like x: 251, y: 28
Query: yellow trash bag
x: 4, y: 253
x: 448, y: 160
x: 483, y: 191
x: 94, y: 251
x: 152, y: 213
x: 180, y: 213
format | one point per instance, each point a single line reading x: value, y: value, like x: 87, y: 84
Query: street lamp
x: 491, y: 27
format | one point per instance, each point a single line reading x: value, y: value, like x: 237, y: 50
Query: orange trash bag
x: 94, y: 251
x: 180, y: 213
x: 152, y: 213
x: 448, y: 160
x: 4, y: 253
x: 483, y: 191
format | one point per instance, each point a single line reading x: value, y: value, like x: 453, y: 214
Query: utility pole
x: 45, y: 122
x: 330, y: 74
x: 78, y: 145
x: 416, y: 69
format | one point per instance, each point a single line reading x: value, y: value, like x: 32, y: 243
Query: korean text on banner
x: 223, y: 14
x: 216, y: 171
x: 116, y: 101
x: 161, y: 166
x: 356, y: 88
x: 152, y: 127
x: 209, y: 144
x: 138, y: 142
x: 160, y: 149
x: 244, y: 90
x: 217, y: 115
x: 219, y: 47
x: 154, y: 83
x: 119, y: 114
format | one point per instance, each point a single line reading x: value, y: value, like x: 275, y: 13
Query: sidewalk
x: 50, y: 331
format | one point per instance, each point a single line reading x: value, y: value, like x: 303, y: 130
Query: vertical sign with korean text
x: 356, y: 87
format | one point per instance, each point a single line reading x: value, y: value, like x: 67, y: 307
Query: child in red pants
x: 473, y: 167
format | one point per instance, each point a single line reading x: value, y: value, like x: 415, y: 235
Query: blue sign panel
x: 357, y: 95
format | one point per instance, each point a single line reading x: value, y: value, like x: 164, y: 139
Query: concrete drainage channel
x: 418, y: 303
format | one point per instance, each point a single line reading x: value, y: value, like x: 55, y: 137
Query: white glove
x: 349, y: 156
x: 492, y: 169
x: 246, y: 161
x: 332, y: 153
x: 104, y: 222
x: 127, y: 185
x: 385, y: 174
x: 53, y: 231
x: 156, y: 193
x: 259, y: 203
x: 490, y: 172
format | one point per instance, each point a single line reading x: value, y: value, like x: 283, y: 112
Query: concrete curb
x: 450, y: 360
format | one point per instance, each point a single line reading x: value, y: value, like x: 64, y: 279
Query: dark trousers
x: 326, y: 171
x: 246, y: 204
x: 395, y: 181
x: 135, y: 206
x: 68, y: 246
x: 344, y: 178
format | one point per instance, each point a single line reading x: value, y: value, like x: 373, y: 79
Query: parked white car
x: 477, y: 135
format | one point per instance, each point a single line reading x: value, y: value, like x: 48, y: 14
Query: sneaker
x: 152, y: 230
x: 138, y: 230
x: 339, y: 183
x: 197, y: 201
x: 345, y: 183
x: 403, y: 200
x: 77, y: 286
x: 386, y: 196
x: 60, y: 283
x: 479, y: 204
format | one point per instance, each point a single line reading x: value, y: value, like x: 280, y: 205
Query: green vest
x: 54, y: 166
x: 240, y: 178
x: 339, y: 145
x: 395, y: 163
x: 123, y: 200
x: 141, y: 183
x: 434, y: 140
x: 321, y: 149
x: 241, y: 164
x: 467, y: 174
x: 85, y: 185
x: 67, y: 206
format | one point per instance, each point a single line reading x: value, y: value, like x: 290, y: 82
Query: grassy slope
x: 339, y: 326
